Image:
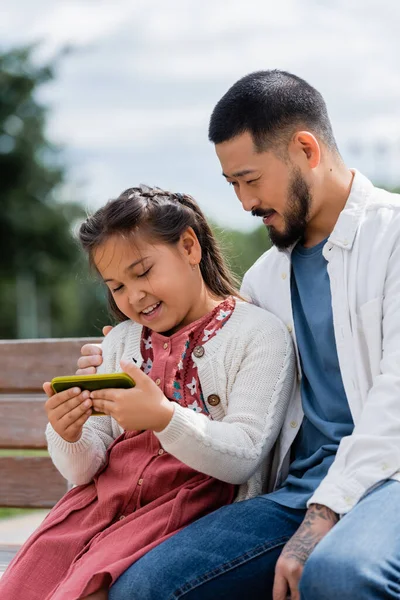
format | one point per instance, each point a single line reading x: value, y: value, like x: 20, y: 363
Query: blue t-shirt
x: 327, y: 416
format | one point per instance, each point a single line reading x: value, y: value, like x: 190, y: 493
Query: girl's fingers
x: 104, y: 406
x: 61, y: 397
x: 73, y: 431
x: 110, y: 394
x: 68, y: 406
x: 74, y: 416
x: 48, y: 390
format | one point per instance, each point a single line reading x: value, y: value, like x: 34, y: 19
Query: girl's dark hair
x: 163, y: 217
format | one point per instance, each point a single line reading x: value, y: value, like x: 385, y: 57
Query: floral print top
x: 168, y: 359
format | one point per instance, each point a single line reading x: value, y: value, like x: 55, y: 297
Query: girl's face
x: 155, y: 284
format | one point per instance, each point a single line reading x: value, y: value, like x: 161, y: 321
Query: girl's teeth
x: 151, y: 308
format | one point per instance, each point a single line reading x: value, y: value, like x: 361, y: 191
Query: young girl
x: 215, y: 378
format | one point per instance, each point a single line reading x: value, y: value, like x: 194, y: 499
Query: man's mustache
x: 258, y: 212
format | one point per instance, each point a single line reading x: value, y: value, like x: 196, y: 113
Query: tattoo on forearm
x: 319, y: 511
x: 300, y: 546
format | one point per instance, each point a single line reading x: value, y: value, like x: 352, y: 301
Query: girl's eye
x: 145, y: 273
x: 117, y: 289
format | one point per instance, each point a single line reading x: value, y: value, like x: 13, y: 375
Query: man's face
x: 269, y: 187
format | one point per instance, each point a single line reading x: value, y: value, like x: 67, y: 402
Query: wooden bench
x: 30, y: 481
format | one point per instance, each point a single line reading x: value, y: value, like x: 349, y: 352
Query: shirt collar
x: 344, y: 232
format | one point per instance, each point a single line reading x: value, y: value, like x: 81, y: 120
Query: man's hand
x: 141, y: 407
x: 318, y: 521
x: 91, y: 356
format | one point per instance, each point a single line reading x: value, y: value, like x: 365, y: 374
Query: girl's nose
x: 136, y: 296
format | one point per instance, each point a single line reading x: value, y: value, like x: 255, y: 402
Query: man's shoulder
x: 263, y: 262
x: 384, y: 199
x: 255, y: 276
x: 381, y: 221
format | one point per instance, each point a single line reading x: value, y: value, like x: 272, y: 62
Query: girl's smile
x: 152, y: 312
x: 158, y: 285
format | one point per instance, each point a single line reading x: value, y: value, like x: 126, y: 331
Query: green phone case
x: 92, y: 382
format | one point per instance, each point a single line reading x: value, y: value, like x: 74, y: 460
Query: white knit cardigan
x: 249, y: 365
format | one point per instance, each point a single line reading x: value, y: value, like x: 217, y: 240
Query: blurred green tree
x: 242, y: 248
x: 43, y: 290
x: 45, y: 287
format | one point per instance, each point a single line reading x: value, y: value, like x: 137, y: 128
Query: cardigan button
x: 199, y: 351
x: 213, y: 400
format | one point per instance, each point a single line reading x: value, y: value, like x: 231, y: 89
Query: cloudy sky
x: 131, y: 103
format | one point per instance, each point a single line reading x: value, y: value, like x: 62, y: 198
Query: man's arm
x: 318, y: 521
x: 91, y: 356
x: 371, y: 454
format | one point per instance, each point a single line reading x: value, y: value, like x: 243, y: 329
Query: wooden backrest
x: 30, y: 481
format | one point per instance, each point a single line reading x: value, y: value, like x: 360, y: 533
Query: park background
x: 98, y: 96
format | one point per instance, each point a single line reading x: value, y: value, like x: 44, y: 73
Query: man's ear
x: 306, y: 148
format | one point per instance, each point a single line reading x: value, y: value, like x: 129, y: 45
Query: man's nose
x: 249, y: 200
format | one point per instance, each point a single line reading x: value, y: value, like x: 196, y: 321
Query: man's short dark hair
x: 271, y: 106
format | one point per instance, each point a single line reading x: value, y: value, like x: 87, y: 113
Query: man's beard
x: 295, y: 216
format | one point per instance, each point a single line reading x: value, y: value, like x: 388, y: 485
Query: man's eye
x: 252, y: 180
x: 145, y: 273
x: 234, y: 183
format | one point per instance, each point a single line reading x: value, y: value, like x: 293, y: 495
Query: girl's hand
x: 68, y: 411
x: 141, y: 407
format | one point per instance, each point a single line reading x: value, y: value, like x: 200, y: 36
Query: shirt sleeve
x: 371, y: 454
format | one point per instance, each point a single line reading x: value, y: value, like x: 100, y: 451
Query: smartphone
x: 92, y: 382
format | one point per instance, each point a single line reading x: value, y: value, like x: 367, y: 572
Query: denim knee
x: 135, y: 583
x: 331, y: 574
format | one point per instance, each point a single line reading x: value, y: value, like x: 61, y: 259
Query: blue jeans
x: 231, y: 554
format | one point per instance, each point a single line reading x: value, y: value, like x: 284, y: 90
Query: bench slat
x: 30, y: 482
x: 26, y: 364
x: 23, y: 421
x: 7, y: 553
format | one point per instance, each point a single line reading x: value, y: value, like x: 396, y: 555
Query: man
x: 329, y: 527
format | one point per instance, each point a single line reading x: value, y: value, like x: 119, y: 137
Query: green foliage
x: 46, y: 289
x: 7, y: 513
x: 43, y: 280
x: 242, y: 249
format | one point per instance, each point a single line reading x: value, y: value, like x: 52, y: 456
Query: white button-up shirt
x: 363, y: 255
